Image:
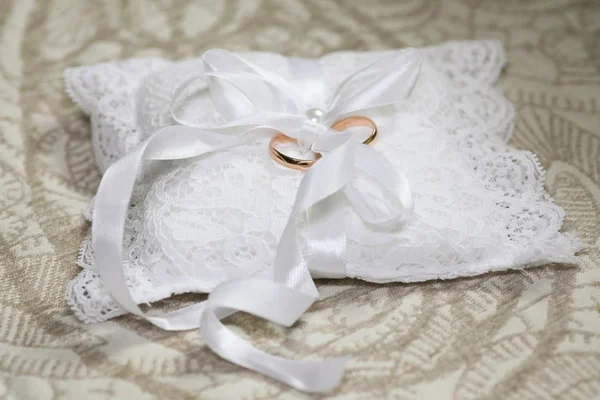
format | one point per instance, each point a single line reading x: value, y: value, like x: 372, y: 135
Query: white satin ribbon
x: 256, y: 103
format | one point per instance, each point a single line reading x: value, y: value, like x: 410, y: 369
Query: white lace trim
x: 480, y: 205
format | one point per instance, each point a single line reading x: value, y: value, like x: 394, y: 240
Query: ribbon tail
x: 286, y: 298
x: 276, y: 303
x: 112, y: 203
x: 281, y: 301
x: 326, y: 239
x: 326, y: 177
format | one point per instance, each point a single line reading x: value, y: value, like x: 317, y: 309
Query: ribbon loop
x: 239, y: 88
x: 219, y: 60
x: 387, y: 80
x: 395, y: 188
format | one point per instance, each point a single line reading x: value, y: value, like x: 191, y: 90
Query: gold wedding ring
x: 299, y: 164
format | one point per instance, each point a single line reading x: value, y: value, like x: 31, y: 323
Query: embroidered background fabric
x: 507, y: 335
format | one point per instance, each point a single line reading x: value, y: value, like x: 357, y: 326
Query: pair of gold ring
x: 302, y: 165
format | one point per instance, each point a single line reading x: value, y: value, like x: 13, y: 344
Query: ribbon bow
x: 256, y: 102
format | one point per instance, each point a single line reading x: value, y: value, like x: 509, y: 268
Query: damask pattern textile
x: 532, y: 335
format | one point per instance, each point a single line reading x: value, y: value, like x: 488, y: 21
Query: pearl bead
x: 315, y: 114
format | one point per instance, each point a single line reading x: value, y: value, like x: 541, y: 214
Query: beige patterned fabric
x: 500, y: 336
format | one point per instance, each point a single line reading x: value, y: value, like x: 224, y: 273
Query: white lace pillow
x: 479, y: 204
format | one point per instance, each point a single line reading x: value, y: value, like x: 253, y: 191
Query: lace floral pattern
x: 107, y: 92
x: 480, y: 205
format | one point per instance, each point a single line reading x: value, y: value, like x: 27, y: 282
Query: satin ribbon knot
x: 313, y: 132
x: 256, y: 103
